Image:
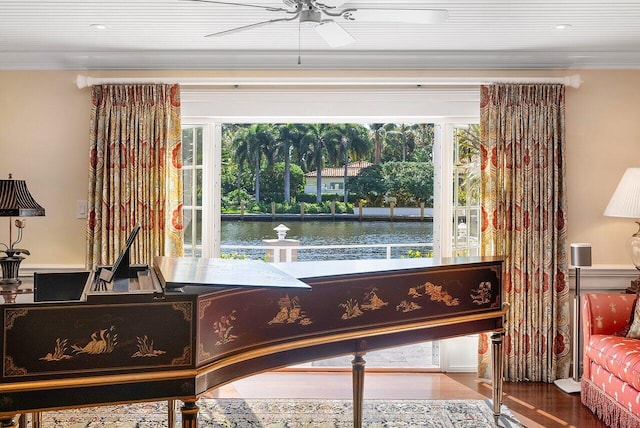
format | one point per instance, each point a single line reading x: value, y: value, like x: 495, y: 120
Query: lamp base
x: 568, y: 385
x: 10, y: 266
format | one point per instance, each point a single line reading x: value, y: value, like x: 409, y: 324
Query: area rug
x: 286, y: 413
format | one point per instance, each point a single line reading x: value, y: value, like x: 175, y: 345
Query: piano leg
x: 171, y: 413
x: 189, y: 414
x: 497, y: 352
x: 36, y: 420
x: 357, y: 369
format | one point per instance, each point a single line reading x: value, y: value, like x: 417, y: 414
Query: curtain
x: 523, y: 199
x: 134, y: 172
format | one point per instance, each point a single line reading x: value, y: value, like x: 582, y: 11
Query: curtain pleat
x: 134, y: 172
x: 524, y: 211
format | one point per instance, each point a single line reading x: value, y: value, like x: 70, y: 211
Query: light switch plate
x: 81, y: 209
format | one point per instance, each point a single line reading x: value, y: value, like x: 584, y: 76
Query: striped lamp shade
x: 625, y: 201
x: 16, y: 201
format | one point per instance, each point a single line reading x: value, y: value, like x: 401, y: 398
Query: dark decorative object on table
x: 15, y: 201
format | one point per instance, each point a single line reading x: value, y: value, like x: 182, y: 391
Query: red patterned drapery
x: 134, y: 172
x: 524, y: 219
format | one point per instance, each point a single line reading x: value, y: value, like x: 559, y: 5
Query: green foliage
x: 253, y: 144
x: 289, y: 208
x: 234, y: 178
x: 416, y: 254
x: 231, y: 201
x: 309, y: 198
x: 409, y: 182
x: 467, y: 165
x: 272, y: 182
x: 369, y: 184
x: 268, y: 161
x: 342, y: 208
x: 234, y: 256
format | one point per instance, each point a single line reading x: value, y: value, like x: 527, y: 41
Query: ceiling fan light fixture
x: 310, y: 17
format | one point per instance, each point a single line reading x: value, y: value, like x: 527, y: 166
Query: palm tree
x: 321, y: 140
x: 291, y: 135
x: 468, y: 162
x: 251, y: 144
x: 354, y: 143
x: 406, y: 135
x: 424, y: 142
x: 378, y: 133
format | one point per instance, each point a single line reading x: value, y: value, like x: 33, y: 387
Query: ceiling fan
x: 323, y: 17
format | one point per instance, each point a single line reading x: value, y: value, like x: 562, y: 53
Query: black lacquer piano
x: 186, y: 326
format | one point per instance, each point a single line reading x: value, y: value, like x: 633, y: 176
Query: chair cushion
x: 618, y: 355
x: 634, y: 320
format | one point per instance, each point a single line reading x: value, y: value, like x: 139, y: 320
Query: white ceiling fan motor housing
x: 310, y: 17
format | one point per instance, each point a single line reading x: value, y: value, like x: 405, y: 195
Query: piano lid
x: 176, y: 272
x: 329, y: 268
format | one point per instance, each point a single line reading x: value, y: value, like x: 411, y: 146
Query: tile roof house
x: 333, y: 178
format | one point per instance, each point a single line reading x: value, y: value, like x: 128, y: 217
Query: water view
x: 251, y: 233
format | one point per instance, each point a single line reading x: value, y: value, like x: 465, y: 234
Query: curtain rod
x: 83, y: 81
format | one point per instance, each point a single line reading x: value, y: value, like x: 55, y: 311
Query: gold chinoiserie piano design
x: 203, y: 323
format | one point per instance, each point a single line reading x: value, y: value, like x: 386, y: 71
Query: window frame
x: 444, y: 107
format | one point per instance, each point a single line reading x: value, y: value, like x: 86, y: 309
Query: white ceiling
x: 169, y: 34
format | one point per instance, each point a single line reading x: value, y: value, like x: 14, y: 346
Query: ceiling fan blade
x: 226, y: 3
x: 331, y: 3
x: 334, y: 34
x: 247, y: 27
x: 409, y: 16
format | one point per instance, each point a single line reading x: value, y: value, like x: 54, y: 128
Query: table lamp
x: 625, y: 202
x: 15, y: 201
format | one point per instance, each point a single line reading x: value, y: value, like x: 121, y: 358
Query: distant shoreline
x: 323, y: 217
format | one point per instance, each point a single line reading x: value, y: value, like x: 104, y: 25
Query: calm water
x: 330, y: 233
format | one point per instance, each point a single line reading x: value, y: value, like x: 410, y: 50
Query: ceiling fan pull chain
x: 299, y: 31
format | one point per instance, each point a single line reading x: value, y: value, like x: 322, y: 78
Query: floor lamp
x: 580, y: 257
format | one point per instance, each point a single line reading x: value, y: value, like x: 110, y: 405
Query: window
x: 466, y: 191
x: 192, y: 171
x: 456, y: 153
x: 205, y: 110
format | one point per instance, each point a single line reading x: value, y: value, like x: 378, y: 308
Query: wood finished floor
x: 535, y: 404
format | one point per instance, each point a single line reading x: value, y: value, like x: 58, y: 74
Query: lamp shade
x: 625, y: 201
x: 16, y: 201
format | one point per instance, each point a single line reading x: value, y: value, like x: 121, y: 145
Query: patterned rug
x: 285, y: 413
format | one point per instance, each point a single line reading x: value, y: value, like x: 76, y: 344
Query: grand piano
x: 185, y: 326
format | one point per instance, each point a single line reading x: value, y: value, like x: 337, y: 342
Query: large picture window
x: 456, y: 164
x: 450, y: 110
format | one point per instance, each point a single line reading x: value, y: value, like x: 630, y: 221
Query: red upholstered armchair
x: 611, y: 372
